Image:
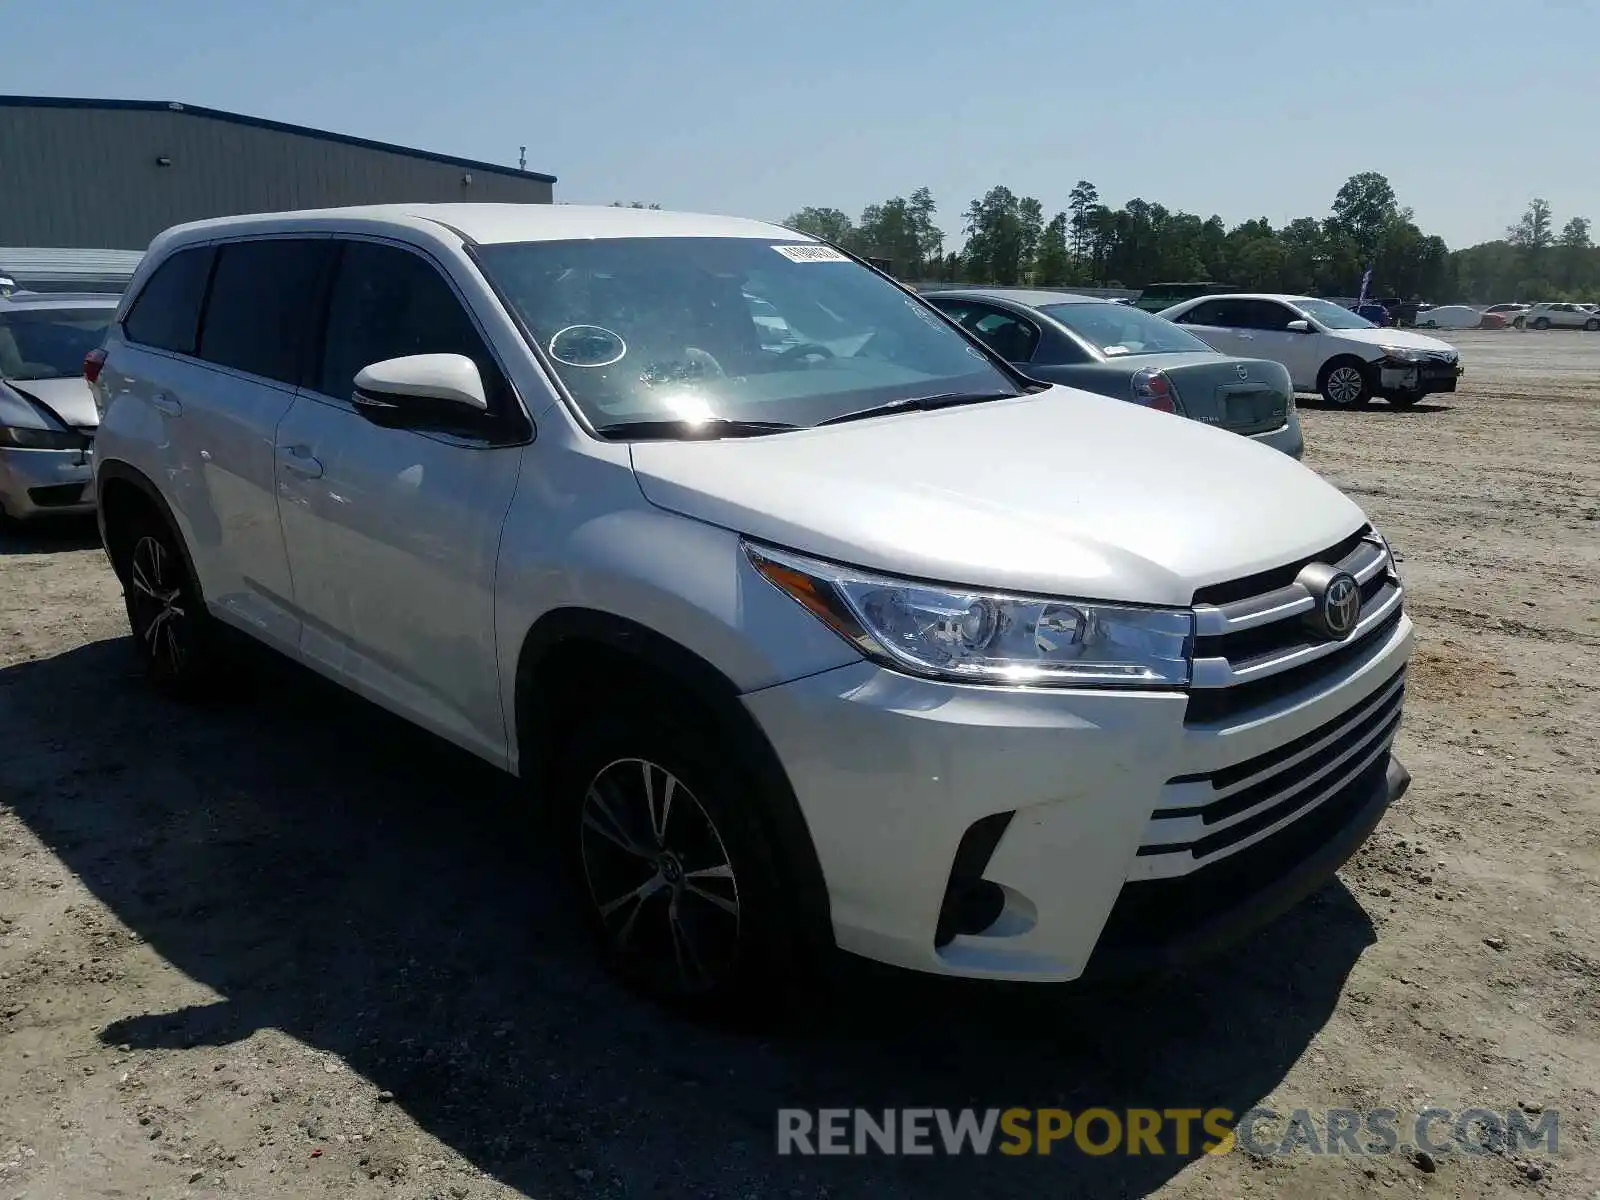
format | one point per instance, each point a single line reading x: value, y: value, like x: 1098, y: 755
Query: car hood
x: 1395, y: 337
x: 70, y: 399
x: 1059, y: 493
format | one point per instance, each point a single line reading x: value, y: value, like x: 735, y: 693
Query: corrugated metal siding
x: 89, y: 177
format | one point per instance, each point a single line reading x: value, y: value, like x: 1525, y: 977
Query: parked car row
x: 818, y: 624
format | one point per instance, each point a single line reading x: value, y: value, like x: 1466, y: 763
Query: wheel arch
x: 120, y: 491
x: 573, y: 655
x: 1343, y: 357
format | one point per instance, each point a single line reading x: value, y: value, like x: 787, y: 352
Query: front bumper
x: 892, y: 773
x: 37, y: 483
x: 1395, y: 378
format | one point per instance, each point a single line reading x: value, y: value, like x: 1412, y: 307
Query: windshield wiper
x: 681, y: 430
x: 919, y: 404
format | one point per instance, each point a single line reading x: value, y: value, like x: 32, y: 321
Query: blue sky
x: 1244, y: 108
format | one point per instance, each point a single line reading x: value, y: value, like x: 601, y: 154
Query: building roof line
x: 215, y: 114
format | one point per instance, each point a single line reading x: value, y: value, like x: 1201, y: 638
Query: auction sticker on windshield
x: 810, y: 253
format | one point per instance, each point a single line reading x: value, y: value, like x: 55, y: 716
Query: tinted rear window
x: 167, y: 313
x: 262, y: 294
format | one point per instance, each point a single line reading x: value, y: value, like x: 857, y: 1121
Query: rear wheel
x: 172, y: 633
x: 1344, y: 384
x: 671, y: 862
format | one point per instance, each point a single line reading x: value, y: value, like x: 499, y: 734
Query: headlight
x: 1404, y: 354
x: 971, y: 636
x: 41, y: 439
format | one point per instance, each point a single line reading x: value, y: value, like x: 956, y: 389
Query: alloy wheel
x: 659, y: 877
x: 157, y: 603
x: 1345, y: 385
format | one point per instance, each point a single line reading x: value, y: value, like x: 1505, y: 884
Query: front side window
x: 167, y: 313
x: 49, y: 343
x: 1265, y: 316
x: 389, y: 303
x: 1332, y: 316
x: 261, y: 295
x: 664, y: 329
x: 1120, y: 329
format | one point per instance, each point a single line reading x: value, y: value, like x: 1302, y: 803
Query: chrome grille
x: 1252, y: 645
x: 1203, y: 818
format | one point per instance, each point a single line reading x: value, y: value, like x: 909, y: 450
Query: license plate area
x: 1250, y: 409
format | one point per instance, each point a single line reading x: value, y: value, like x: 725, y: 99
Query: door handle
x: 296, y: 461
x: 165, y: 403
x: 1249, y: 337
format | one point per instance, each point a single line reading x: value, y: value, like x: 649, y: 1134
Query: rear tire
x: 1344, y: 384
x: 671, y: 863
x: 174, y: 636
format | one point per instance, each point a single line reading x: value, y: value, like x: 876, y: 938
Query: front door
x: 393, y: 534
x: 1261, y: 331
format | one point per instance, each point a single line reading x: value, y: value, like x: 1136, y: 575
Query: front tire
x: 1344, y: 384
x: 671, y: 862
x: 1542, y: 323
x: 173, y: 634
x: 1592, y: 324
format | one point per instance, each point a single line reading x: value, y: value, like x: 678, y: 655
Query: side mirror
x: 420, y: 389
x: 1298, y: 326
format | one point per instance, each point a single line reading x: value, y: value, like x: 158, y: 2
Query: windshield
x: 737, y: 329
x: 49, y: 343
x: 1330, y: 314
x: 1118, y: 329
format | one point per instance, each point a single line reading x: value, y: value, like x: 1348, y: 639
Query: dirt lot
x: 291, y: 949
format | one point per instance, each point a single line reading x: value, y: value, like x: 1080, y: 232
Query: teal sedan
x: 1121, y: 351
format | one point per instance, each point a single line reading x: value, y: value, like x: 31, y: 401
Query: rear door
x: 254, y: 336
x: 208, y: 364
x: 393, y: 533
x: 1214, y: 323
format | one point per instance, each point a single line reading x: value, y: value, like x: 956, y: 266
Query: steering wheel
x: 805, y: 350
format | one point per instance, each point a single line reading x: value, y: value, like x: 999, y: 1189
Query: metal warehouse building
x: 112, y: 174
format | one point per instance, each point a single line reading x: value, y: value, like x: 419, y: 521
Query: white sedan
x: 1329, y: 350
x: 1452, y: 316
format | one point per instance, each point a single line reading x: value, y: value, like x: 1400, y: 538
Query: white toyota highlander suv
x: 856, y: 640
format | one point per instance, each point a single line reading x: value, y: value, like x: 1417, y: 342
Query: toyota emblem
x: 1242, y: 371
x: 1335, y: 599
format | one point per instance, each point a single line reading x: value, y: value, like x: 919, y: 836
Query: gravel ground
x: 289, y: 948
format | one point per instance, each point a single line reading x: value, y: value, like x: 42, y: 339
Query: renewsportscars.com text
x: 1160, y: 1131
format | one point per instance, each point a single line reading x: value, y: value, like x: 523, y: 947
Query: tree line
x: 1009, y: 240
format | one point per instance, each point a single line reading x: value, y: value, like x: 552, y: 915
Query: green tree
x: 827, y: 223
x: 1576, y: 253
x: 1084, y: 197
x: 1533, y: 231
x: 1362, y: 210
x: 1053, y: 262
x: 902, y: 231
x: 1002, y: 231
